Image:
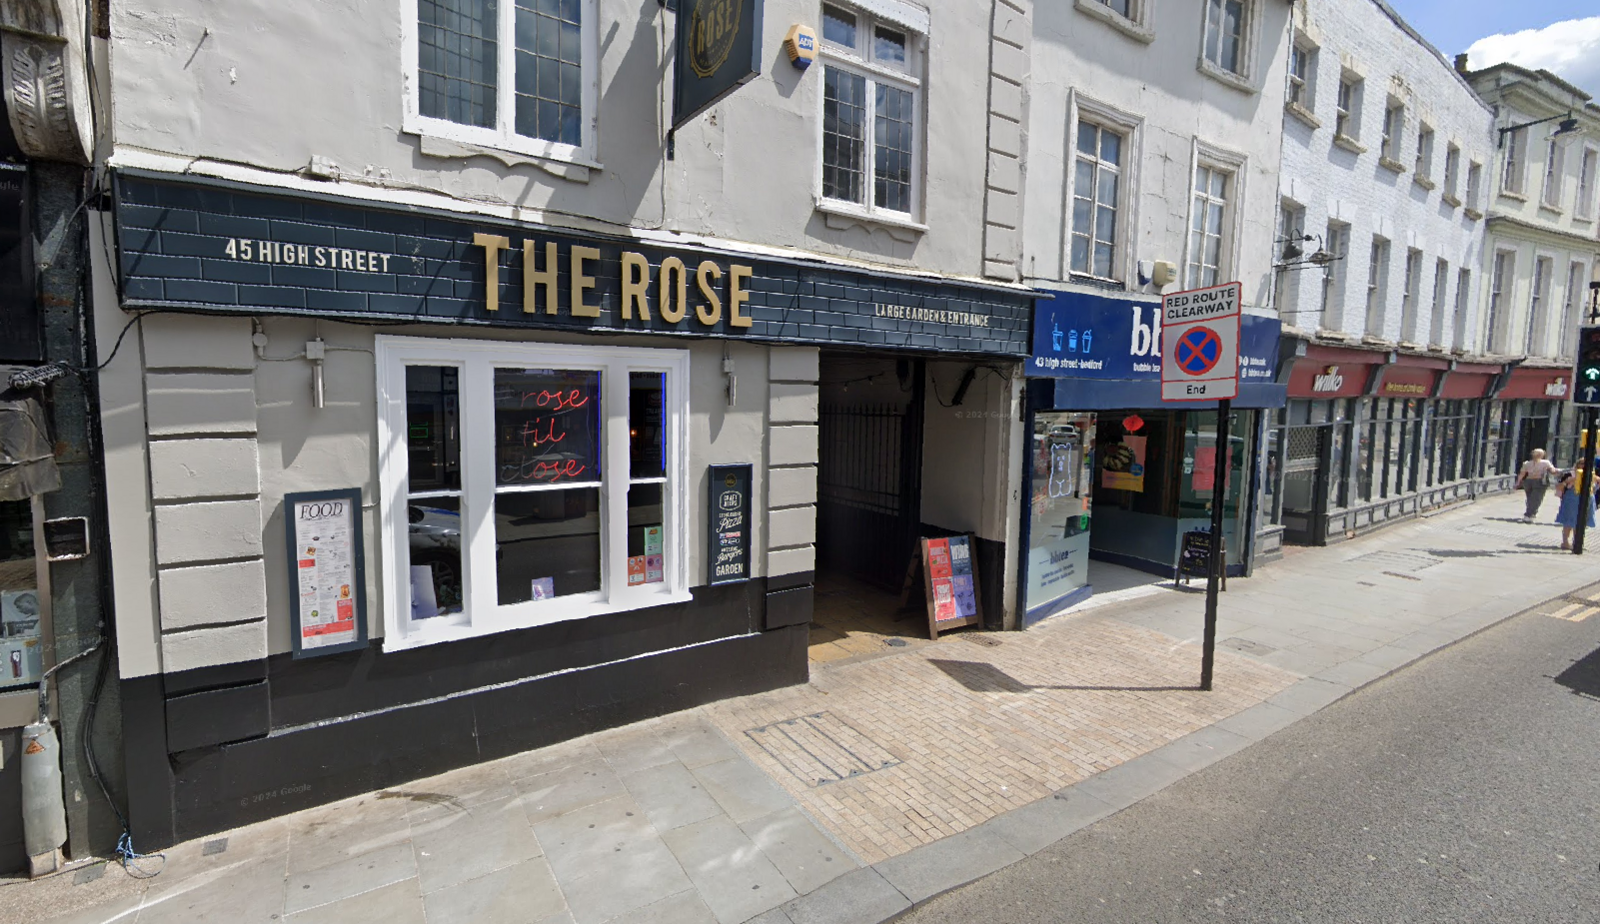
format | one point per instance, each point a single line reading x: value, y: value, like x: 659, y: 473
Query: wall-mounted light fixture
x: 1293, y: 255
x: 1567, y: 127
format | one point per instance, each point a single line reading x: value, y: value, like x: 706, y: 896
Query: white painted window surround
x: 871, y: 112
x: 476, y: 364
x: 503, y: 136
x: 1094, y: 116
x: 1230, y: 42
x: 1211, y: 250
x: 1133, y: 18
x: 1588, y: 167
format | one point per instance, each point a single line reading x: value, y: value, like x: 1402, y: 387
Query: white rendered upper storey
x: 559, y: 111
x: 1153, y: 136
x: 1385, y: 150
x: 1543, y: 212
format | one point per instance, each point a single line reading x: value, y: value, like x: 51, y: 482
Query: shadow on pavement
x: 986, y: 678
x: 1583, y: 677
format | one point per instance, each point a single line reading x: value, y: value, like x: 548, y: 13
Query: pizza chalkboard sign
x: 728, y: 524
x: 950, y: 581
x: 1194, y: 557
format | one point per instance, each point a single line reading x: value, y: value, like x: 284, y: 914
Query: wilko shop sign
x: 1329, y: 381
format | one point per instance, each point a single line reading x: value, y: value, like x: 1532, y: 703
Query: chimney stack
x: 1461, y: 63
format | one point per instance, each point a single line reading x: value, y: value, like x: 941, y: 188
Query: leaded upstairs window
x: 512, y: 74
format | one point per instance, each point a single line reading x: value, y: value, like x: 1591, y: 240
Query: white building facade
x: 1152, y: 166
x: 1542, y: 248
x: 1386, y: 156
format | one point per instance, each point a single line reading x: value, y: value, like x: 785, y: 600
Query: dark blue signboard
x: 1106, y: 352
x: 218, y: 246
x: 719, y: 50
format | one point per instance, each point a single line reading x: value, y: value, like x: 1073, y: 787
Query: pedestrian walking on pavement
x: 1534, y: 479
x: 1567, y: 513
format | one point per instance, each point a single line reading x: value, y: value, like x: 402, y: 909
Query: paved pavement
x: 889, y: 779
x: 1458, y: 791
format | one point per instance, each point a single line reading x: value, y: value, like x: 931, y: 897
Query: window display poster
x: 328, y: 608
x: 1204, y: 477
x: 729, y: 526
x: 1122, y: 464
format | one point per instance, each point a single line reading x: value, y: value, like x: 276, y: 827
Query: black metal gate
x: 869, y: 481
x: 1305, y: 489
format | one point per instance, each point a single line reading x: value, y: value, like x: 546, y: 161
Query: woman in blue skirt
x: 1567, y: 514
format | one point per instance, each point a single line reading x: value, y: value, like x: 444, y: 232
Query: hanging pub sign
x: 328, y: 590
x: 728, y: 538
x: 719, y: 50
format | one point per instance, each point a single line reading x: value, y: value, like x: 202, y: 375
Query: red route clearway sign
x: 1200, y: 344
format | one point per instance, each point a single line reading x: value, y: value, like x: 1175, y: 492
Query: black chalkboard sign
x: 728, y: 524
x: 547, y: 427
x: 1194, y: 557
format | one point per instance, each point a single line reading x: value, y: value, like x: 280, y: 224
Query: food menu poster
x: 953, y: 594
x: 328, y: 602
x: 729, y: 521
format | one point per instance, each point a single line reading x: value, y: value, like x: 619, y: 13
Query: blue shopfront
x: 1114, y: 476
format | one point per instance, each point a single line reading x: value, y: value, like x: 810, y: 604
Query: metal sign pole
x: 1219, y: 559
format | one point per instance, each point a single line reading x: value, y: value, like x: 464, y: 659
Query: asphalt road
x: 1464, y: 788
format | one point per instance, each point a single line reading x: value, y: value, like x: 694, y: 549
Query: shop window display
x: 540, y: 484
x: 1062, y: 493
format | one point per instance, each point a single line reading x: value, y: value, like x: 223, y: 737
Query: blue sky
x: 1452, y: 25
x: 1562, y: 36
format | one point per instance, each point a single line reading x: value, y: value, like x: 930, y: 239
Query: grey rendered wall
x: 269, y: 85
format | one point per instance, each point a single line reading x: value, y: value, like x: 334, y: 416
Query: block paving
x: 981, y: 729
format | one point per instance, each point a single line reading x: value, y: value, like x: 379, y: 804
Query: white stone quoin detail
x: 45, y: 89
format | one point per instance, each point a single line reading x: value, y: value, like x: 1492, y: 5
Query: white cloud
x: 1570, y: 49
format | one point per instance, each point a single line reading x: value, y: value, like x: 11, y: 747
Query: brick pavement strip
x: 1061, y: 702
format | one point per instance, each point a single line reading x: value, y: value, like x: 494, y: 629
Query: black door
x: 1306, y: 464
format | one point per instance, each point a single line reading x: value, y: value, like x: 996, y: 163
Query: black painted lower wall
x: 215, y: 748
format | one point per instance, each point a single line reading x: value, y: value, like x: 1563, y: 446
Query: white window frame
x: 1513, y: 175
x: 477, y: 360
x: 1474, y: 190
x: 1458, y: 334
x: 1502, y: 275
x: 1555, y: 168
x: 868, y: 16
x: 1441, y: 292
x: 1333, y: 275
x: 1082, y: 109
x: 1452, y: 173
x: 1377, y: 283
x: 1304, y: 82
x: 1394, y: 126
x: 1539, y: 282
x: 1411, y: 295
x: 1231, y: 162
x: 1347, y: 111
x: 1241, y: 79
x: 504, y: 136
x: 1422, y: 172
x: 1136, y: 25
x: 1577, y: 293
x: 1588, y: 169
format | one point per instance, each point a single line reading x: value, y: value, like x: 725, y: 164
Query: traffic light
x: 1586, y: 385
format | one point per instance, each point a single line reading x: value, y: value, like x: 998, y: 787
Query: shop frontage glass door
x: 1061, y: 491
x: 1208, y: 470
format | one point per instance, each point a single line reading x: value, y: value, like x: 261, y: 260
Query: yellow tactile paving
x: 980, y: 730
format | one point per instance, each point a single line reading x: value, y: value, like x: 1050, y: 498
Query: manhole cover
x: 821, y: 748
x: 212, y: 848
x: 895, y: 642
x: 1396, y: 561
x: 1248, y: 647
x: 1497, y: 532
x: 986, y: 641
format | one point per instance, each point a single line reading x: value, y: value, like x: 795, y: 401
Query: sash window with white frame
x: 1225, y: 34
x: 1553, y: 163
x: 517, y: 75
x: 528, y: 484
x: 1572, y: 318
x: 1096, y: 201
x: 1209, y: 226
x: 871, y: 112
x: 1584, y: 206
